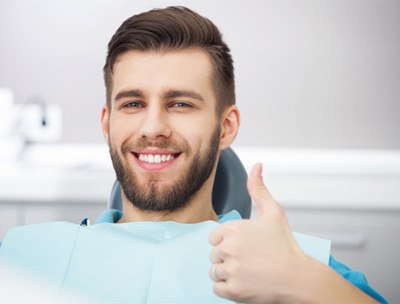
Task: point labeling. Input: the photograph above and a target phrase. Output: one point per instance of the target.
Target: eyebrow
(183, 93)
(130, 93)
(166, 95)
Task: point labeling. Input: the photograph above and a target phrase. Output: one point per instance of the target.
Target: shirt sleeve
(356, 278)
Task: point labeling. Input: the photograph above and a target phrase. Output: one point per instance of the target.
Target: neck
(198, 209)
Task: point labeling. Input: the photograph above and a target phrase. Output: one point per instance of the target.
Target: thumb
(258, 191)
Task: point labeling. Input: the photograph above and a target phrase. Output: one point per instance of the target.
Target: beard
(153, 197)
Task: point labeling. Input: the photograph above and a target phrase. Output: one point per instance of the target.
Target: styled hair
(174, 28)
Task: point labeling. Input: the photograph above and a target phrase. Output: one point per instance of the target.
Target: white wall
(309, 73)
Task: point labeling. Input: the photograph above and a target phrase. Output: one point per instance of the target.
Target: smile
(155, 158)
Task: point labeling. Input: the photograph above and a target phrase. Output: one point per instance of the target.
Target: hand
(257, 260)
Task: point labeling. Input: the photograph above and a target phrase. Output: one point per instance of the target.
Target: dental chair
(229, 191)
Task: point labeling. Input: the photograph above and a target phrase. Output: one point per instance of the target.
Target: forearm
(321, 284)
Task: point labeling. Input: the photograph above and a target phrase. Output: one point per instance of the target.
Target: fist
(255, 261)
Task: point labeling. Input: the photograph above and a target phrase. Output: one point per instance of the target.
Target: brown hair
(174, 28)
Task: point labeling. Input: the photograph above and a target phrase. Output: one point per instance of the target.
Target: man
(170, 111)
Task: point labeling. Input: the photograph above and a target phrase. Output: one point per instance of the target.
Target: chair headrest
(229, 190)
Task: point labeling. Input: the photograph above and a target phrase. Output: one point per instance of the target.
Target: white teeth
(155, 158)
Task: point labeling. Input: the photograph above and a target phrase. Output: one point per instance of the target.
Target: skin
(253, 261)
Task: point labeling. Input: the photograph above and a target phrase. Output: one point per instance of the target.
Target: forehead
(152, 71)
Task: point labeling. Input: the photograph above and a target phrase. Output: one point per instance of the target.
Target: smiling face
(162, 127)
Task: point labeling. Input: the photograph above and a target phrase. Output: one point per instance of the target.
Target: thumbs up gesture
(259, 261)
(252, 259)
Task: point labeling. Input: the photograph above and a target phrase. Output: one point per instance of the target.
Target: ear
(105, 115)
(230, 121)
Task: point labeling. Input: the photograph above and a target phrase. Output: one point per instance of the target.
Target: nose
(155, 123)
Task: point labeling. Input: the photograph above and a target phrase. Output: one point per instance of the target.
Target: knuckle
(226, 250)
(231, 227)
(255, 190)
(234, 268)
(213, 255)
(223, 271)
(278, 212)
(230, 248)
(220, 289)
(232, 291)
(211, 237)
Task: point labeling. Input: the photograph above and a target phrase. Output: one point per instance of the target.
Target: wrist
(319, 283)
(305, 282)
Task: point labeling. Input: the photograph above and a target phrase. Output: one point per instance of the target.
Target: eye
(133, 104)
(180, 104)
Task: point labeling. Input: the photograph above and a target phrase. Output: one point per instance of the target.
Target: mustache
(162, 143)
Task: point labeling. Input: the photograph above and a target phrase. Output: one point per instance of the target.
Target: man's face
(162, 127)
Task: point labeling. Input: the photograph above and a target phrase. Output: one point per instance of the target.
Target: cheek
(120, 121)
(120, 129)
(198, 134)
(199, 123)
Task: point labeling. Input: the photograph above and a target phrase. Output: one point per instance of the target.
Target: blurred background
(309, 73)
(318, 86)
